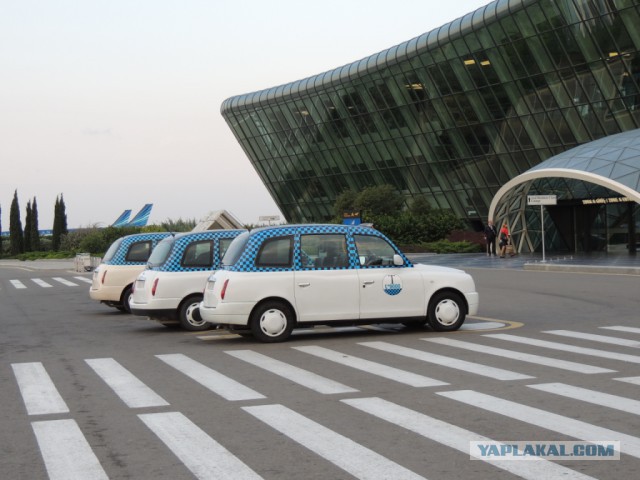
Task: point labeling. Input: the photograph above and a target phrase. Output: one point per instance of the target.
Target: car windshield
(235, 249)
(112, 250)
(161, 252)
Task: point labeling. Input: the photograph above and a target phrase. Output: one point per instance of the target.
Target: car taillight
(103, 277)
(224, 289)
(154, 287)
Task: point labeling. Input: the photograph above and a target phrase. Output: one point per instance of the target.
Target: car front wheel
(447, 312)
(272, 322)
(189, 314)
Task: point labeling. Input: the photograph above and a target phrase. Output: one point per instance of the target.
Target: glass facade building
(451, 115)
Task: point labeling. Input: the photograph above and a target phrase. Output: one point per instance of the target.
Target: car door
(386, 290)
(326, 284)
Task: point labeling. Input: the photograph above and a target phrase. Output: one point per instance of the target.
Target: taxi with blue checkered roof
(275, 279)
(170, 289)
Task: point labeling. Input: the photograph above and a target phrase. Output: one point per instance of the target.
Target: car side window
(138, 252)
(198, 254)
(275, 252)
(323, 251)
(374, 251)
(224, 245)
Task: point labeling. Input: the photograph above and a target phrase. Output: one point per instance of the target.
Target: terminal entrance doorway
(595, 225)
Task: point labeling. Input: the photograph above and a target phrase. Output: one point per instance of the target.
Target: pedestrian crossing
(32, 283)
(68, 453)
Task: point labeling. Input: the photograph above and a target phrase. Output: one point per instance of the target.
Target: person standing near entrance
(504, 239)
(490, 234)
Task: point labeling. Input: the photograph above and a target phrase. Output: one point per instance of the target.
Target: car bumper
(473, 301)
(227, 313)
(106, 294)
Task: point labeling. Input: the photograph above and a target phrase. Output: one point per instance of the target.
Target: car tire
(126, 300)
(272, 322)
(447, 312)
(189, 315)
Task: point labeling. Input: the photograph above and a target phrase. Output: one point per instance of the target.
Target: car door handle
(303, 285)
(369, 282)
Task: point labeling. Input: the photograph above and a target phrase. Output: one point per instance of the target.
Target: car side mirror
(397, 260)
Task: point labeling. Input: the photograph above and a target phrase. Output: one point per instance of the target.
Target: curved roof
(475, 20)
(612, 162)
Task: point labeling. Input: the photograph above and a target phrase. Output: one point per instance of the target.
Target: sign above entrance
(542, 199)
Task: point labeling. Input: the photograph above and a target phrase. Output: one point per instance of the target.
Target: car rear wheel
(447, 312)
(126, 300)
(272, 322)
(189, 314)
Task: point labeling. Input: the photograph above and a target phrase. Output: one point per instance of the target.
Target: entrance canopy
(605, 170)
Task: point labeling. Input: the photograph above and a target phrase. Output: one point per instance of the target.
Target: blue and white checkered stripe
(246, 262)
(172, 264)
(120, 255)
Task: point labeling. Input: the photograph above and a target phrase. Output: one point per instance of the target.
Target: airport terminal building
(518, 98)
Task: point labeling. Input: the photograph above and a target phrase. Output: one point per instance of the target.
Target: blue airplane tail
(142, 217)
(122, 220)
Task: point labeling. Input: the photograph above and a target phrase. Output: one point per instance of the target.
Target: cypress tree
(15, 227)
(59, 223)
(35, 232)
(27, 228)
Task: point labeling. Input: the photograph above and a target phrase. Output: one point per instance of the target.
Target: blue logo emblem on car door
(392, 284)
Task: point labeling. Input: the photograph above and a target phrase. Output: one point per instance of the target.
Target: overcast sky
(116, 103)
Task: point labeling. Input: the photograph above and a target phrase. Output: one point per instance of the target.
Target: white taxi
(274, 279)
(170, 289)
(125, 259)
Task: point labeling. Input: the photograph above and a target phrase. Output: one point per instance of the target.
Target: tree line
(28, 239)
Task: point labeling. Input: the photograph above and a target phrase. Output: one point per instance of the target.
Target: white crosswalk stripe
(130, 389)
(66, 452)
(624, 342)
(633, 380)
(18, 284)
(350, 456)
(40, 395)
(209, 378)
(455, 437)
(450, 362)
(298, 375)
(585, 395)
(565, 347)
(623, 329)
(374, 368)
(41, 283)
(544, 419)
(521, 356)
(200, 453)
(65, 282)
(84, 279)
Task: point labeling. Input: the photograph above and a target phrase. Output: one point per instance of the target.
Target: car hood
(437, 269)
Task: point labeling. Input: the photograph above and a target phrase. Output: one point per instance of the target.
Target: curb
(541, 267)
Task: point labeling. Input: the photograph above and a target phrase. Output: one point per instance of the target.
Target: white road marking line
(40, 282)
(200, 453)
(18, 284)
(547, 420)
(374, 368)
(66, 453)
(595, 338)
(623, 329)
(130, 389)
(523, 357)
(207, 377)
(591, 396)
(566, 347)
(84, 279)
(297, 375)
(65, 282)
(633, 380)
(475, 368)
(343, 452)
(38, 392)
(456, 438)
